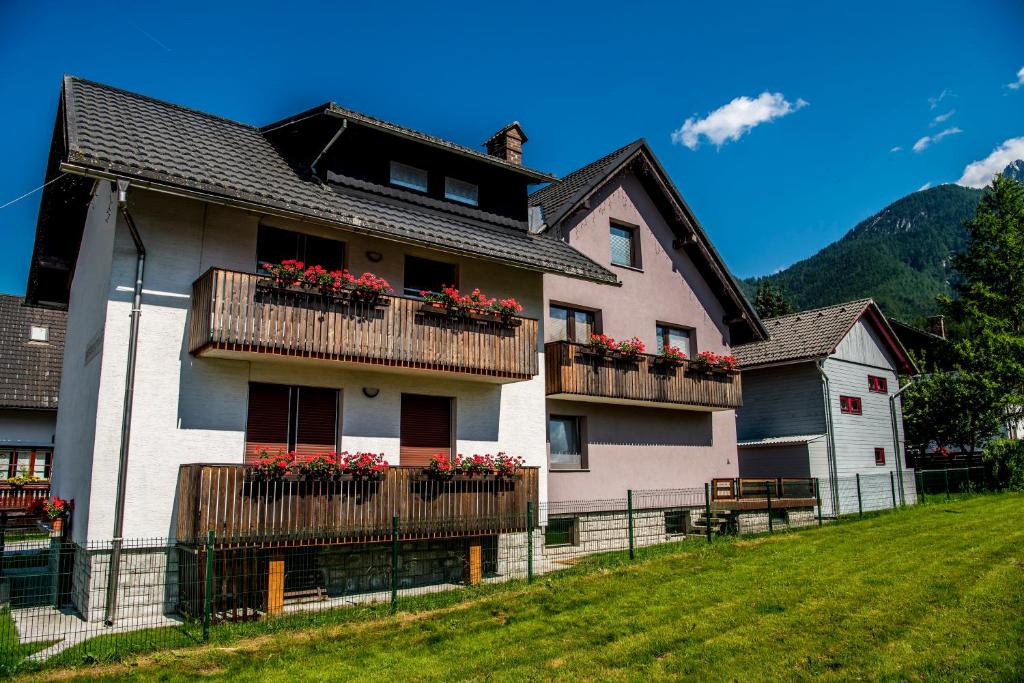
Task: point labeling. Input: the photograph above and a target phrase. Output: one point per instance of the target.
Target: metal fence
(54, 605)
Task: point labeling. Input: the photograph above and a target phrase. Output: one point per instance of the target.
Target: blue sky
(832, 88)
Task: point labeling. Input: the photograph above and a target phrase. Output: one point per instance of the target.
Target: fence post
(629, 524)
(208, 592)
(768, 498)
(860, 501)
(892, 483)
(817, 497)
(946, 473)
(394, 564)
(707, 510)
(529, 541)
(919, 476)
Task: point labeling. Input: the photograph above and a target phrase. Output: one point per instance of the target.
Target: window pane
(674, 336)
(39, 333)
(460, 191)
(42, 464)
(5, 463)
(274, 245)
(583, 322)
(622, 246)
(558, 328)
(408, 176)
(424, 274)
(565, 442)
(324, 252)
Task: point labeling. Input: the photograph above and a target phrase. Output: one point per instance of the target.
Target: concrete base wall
(147, 584)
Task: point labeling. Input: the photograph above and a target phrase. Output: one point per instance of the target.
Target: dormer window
(411, 177)
(38, 333)
(461, 191)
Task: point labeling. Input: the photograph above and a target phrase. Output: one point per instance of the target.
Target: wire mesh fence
(60, 604)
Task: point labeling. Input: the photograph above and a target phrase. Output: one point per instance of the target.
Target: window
(291, 418)
(572, 324)
(423, 274)
(850, 405)
(461, 191)
(567, 438)
(878, 385)
(39, 334)
(674, 336)
(34, 462)
(408, 176)
(274, 245)
(561, 531)
(879, 456)
(624, 249)
(675, 521)
(425, 429)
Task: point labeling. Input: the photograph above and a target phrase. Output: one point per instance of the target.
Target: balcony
(762, 494)
(237, 315)
(573, 372)
(226, 499)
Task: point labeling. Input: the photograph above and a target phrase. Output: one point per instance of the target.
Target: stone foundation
(790, 518)
(147, 583)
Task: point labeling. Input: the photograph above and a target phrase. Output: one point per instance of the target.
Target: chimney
(937, 325)
(507, 143)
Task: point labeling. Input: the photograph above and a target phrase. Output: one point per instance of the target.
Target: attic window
(408, 176)
(850, 405)
(461, 191)
(878, 385)
(37, 333)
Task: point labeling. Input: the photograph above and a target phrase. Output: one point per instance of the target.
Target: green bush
(1006, 458)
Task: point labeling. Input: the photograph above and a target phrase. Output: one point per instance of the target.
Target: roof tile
(29, 370)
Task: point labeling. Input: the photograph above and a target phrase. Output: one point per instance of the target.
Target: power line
(31, 192)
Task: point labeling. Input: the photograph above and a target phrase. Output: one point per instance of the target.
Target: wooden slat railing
(753, 492)
(14, 497)
(235, 311)
(570, 369)
(226, 500)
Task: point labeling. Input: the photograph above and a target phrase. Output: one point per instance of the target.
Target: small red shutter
(426, 428)
(267, 425)
(317, 421)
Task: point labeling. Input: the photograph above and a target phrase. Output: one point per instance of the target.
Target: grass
(931, 592)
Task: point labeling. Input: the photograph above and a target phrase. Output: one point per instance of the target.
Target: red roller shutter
(267, 424)
(317, 421)
(426, 428)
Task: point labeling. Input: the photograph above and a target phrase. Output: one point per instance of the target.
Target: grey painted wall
(781, 401)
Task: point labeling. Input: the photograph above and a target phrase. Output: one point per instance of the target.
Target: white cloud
(897, 148)
(731, 121)
(925, 186)
(979, 173)
(934, 101)
(941, 118)
(929, 140)
(1020, 80)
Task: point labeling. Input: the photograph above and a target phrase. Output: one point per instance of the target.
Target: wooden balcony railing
(14, 497)
(754, 493)
(572, 371)
(226, 500)
(239, 313)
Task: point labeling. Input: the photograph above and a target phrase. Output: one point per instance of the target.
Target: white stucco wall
(190, 409)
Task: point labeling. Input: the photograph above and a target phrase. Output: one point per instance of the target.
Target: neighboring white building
(820, 400)
(31, 350)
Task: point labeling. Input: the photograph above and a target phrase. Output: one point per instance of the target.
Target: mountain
(900, 257)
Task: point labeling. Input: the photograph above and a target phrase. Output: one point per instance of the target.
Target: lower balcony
(228, 501)
(240, 315)
(572, 371)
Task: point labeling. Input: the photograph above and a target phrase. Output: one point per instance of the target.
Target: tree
(951, 409)
(770, 300)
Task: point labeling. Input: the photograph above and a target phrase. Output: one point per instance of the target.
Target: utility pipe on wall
(896, 435)
(830, 441)
(114, 572)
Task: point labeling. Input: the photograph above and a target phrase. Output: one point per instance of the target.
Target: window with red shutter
(426, 428)
(287, 418)
(879, 456)
(878, 385)
(316, 422)
(850, 405)
(267, 423)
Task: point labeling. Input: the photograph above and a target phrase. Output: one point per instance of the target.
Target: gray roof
(29, 370)
(770, 441)
(121, 133)
(810, 335)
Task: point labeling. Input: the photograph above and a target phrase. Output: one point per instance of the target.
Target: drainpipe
(129, 396)
(830, 440)
(896, 435)
(330, 143)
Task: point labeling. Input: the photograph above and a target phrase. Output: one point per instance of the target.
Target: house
(636, 421)
(821, 399)
(31, 350)
(160, 230)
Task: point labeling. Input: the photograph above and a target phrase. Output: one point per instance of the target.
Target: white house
(821, 399)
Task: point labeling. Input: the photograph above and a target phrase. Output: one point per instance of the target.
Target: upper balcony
(237, 315)
(573, 372)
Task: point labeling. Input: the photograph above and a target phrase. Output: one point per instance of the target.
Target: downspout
(896, 435)
(330, 143)
(830, 440)
(129, 396)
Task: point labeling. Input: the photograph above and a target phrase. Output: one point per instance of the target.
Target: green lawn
(932, 592)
